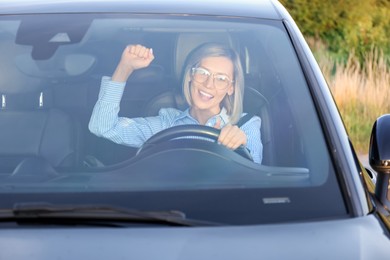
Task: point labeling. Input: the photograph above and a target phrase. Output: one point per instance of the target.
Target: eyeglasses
(201, 75)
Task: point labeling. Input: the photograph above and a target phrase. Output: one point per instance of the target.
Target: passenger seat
(31, 128)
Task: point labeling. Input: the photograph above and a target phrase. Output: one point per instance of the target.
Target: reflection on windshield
(81, 105)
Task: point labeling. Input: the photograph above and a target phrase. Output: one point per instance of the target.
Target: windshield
(73, 130)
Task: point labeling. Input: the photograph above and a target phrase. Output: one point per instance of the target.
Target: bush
(344, 25)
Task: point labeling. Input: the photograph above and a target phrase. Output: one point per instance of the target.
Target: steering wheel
(189, 131)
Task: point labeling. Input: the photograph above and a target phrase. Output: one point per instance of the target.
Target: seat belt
(244, 119)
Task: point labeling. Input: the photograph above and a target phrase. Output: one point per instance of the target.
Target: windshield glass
(114, 104)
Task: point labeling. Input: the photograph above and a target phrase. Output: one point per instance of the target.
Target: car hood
(355, 238)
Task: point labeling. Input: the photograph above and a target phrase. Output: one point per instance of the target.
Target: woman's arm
(106, 123)
(104, 120)
(133, 57)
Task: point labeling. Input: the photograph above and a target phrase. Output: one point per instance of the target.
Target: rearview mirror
(379, 157)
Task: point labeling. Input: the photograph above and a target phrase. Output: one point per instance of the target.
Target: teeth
(206, 94)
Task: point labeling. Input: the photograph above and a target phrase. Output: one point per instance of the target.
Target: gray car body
(356, 238)
(362, 236)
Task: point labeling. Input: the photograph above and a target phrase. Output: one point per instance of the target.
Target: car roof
(242, 8)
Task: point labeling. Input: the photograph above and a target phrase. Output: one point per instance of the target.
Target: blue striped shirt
(133, 132)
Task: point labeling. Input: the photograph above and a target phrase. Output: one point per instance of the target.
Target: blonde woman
(213, 87)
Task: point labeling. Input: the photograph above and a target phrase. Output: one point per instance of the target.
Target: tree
(344, 25)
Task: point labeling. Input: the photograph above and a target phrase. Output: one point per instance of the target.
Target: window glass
(52, 68)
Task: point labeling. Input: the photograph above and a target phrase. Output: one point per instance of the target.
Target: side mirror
(379, 157)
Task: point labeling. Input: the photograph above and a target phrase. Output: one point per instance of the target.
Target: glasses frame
(209, 74)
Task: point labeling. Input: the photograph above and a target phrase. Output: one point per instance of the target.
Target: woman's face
(205, 96)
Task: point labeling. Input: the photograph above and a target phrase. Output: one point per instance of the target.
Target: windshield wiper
(94, 215)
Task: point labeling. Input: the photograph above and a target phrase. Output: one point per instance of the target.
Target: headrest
(187, 42)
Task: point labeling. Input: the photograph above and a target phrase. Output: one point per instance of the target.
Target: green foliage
(344, 25)
(351, 41)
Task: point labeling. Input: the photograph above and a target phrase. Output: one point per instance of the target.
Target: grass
(361, 92)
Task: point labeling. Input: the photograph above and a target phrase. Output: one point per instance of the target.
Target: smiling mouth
(205, 95)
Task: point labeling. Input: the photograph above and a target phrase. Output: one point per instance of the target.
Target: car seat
(30, 129)
(33, 131)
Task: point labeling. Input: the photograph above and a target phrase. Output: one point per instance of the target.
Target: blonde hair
(232, 103)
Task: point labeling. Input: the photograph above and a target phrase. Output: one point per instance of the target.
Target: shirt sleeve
(106, 123)
(253, 134)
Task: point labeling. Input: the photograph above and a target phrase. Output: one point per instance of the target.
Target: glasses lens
(200, 75)
(221, 81)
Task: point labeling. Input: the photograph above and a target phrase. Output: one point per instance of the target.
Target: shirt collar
(224, 116)
(211, 122)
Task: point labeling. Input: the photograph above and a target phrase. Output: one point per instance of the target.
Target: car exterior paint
(362, 234)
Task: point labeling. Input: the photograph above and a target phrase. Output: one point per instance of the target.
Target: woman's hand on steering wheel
(231, 136)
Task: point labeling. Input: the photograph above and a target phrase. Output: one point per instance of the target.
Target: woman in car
(213, 87)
